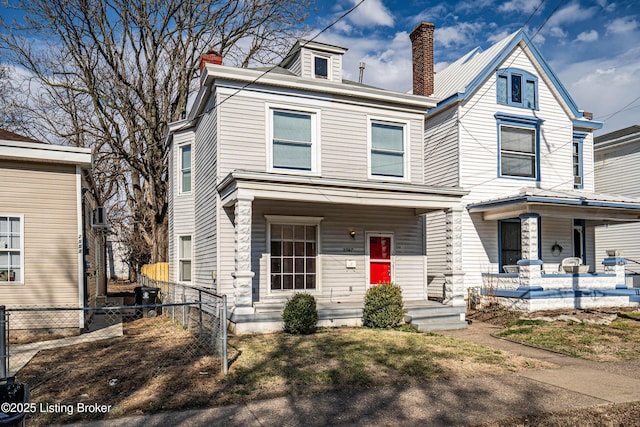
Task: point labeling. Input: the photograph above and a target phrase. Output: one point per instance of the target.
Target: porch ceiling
(601, 208)
(261, 185)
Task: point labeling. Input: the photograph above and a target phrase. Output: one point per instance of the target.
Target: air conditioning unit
(99, 217)
(577, 181)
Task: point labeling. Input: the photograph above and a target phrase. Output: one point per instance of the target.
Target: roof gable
(461, 79)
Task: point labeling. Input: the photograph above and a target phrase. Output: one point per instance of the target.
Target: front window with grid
(293, 257)
(11, 249)
(185, 169)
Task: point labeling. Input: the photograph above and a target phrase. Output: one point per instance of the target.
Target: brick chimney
(587, 115)
(211, 57)
(422, 55)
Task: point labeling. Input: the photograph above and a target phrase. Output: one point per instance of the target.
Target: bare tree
(113, 73)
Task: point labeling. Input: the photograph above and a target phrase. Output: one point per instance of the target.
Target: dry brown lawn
(158, 366)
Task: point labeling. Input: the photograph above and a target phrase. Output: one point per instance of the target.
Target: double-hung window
(11, 249)
(519, 148)
(293, 140)
(517, 88)
(388, 145)
(576, 147)
(184, 258)
(185, 168)
(293, 246)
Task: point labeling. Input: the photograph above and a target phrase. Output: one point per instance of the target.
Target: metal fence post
(4, 343)
(200, 312)
(223, 325)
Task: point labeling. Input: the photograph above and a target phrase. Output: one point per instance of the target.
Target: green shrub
(300, 314)
(383, 306)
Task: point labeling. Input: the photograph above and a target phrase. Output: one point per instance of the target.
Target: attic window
(321, 67)
(517, 88)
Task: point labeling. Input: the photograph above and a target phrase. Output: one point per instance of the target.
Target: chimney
(422, 55)
(211, 57)
(587, 115)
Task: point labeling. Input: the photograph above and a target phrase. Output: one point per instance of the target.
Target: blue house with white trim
(506, 130)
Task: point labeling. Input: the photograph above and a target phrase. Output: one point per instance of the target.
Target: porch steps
(436, 318)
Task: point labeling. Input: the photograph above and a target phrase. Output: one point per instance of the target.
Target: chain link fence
(193, 317)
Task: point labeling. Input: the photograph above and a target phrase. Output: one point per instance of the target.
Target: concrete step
(447, 326)
(436, 318)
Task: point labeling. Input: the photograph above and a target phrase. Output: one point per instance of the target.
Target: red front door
(379, 259)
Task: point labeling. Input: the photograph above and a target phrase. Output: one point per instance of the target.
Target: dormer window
(517, 88)
(321, 67)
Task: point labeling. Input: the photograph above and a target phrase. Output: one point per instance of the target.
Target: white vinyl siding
(441, 153)
(342, 135)
(335, 247)
(206, 200)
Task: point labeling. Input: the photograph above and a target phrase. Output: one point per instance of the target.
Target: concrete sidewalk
(575, 384)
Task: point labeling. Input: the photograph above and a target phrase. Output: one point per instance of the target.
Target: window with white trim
(294, 256)
(388, 149)
(11, 249)
(185, 168)
(320, 67)
(293, 140)
(519, 147)
(576, 147)
(517, 88)
(184, 258)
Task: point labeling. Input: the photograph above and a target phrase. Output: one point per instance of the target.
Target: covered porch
(546, 247)
(333, 239)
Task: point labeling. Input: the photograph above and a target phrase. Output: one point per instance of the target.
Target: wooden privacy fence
(158, 271)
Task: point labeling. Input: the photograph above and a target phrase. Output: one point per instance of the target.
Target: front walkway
(574, 384)
(21, 354)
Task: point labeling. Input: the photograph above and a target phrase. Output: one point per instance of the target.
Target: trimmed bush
(300, 314)
(383, 306)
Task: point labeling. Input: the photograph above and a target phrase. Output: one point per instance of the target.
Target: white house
(506, 130)
(616, 172)
(292, 179)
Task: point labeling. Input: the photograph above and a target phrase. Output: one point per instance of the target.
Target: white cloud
(371, 13)
(497, 37)
(388, 61)
(473, 5)
(604, 86)
(587, 36)
(568, 15)
(522, 6)
(459, 34)
(622, 25)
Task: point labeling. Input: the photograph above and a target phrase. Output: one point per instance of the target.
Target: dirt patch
(626, 414)
(600, 316)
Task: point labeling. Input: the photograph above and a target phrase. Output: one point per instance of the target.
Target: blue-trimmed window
(517, 88)
(518, 146)
(578, 168)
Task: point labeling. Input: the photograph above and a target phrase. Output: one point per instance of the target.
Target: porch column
(243, 276)
(453, 274)
(530, 267)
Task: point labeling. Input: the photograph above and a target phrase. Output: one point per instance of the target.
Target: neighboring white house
(297, 180)
(506, 130)
(616, 172)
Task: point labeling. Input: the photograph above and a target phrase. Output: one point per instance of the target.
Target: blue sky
(593, 46)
